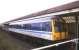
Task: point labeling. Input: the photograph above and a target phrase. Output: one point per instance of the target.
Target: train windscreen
(60, 26)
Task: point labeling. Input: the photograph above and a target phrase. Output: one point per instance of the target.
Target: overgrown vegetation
(9, 43)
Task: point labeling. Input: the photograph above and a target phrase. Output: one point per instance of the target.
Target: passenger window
(47, 26)
(42, 26)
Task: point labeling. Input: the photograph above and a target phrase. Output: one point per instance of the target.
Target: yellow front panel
(56, 36)
(60, 36)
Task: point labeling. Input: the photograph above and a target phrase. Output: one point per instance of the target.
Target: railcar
(50, 28)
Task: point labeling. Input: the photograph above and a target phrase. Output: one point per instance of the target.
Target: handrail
(57, 44)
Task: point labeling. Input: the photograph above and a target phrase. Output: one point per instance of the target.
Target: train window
(27, 26)
(36, 26)
(47, 26)
(42, 26)
(60, 26)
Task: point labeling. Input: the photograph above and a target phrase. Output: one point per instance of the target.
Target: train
(45, 27)
(54, 26)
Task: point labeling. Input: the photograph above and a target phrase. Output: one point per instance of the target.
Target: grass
(9, 43)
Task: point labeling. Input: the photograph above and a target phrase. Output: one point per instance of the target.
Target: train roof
(51, 10)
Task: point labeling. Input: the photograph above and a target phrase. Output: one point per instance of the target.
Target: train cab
(59, 29)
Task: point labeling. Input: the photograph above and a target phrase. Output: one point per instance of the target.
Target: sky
(12, 9)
